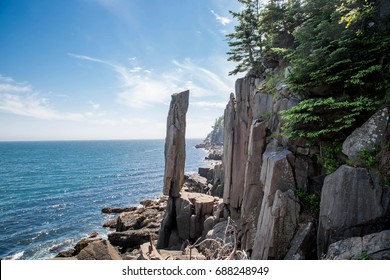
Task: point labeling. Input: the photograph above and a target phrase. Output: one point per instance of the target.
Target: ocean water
(52, 193)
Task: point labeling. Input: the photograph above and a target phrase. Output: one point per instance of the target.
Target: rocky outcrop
(215, 154)
(374, 246)
(175, 144)
(353, 201)
(303, 246)
(369, 136)
(99, 250)
(197, 183)
(276, 227)
(184, 218)
(132, 239)
(253, 189)
(277, 208)
(253, 174)
(239, 135)
(118, 210)
(186, 211)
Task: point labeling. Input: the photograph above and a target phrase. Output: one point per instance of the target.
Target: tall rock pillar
(175, 156)
(175, 149)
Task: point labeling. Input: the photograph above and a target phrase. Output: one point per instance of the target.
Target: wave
(16, 256)
(57, 247)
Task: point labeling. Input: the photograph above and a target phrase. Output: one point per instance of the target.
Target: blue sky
(105, 69)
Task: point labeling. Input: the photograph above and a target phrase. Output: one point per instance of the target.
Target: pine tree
(245, 43)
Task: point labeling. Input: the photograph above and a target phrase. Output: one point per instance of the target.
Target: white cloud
(222, 20)
(33, 106)
(95, 106)
(6, 79)
(205, 104)
(140, 88)
(14, 88)
(23, 100)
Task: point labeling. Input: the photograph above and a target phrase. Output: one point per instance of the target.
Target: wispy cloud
(23, 100)
(222, 20)
(141, 88)
(205, 104)
(94, 106)
(33, 106)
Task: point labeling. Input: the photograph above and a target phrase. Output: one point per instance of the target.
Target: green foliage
(356, 11)
(339, 52)
(330, 157)
(278, 20)
(245, 43)
(367, 158)
(325, 118)
(216, 134)
(364, 256)
(272, 80)
(342, 49)
(310, 202)
(266, 116)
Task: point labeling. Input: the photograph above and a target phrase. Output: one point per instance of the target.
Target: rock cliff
(272, 184)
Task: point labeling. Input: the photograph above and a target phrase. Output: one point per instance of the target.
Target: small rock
(118, 210)
(131, 238)
(83, 243)
(110, 224)
(93, 235)
(66, 254)
(128, 220)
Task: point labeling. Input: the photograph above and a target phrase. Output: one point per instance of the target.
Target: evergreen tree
(340, 50)
(245, 43)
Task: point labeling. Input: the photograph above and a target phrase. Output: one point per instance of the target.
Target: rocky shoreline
(136, 228)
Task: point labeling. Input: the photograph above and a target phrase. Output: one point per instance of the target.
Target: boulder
(196, 183)
(110, 223)
(66, 254)
(353, 202)
(369, 136)
(215, 154)
(129, 220)
(208, 224)
(118, 210)
(303, 245)
(99, 250)
(175, 152)
(184, 218)
(206, 172)
(82, 244)
(374, 246)
(216, 190)
(131, 239)
(149, 203)
(149, 252)
(221, 232)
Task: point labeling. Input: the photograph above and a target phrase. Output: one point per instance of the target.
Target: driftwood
(218, 249)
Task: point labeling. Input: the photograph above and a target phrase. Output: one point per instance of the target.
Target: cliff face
(267, 178)
(278, 200)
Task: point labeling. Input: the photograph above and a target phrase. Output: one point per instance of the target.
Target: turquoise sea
(52, 193)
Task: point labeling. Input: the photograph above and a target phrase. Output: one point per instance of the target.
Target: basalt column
(174, 163)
